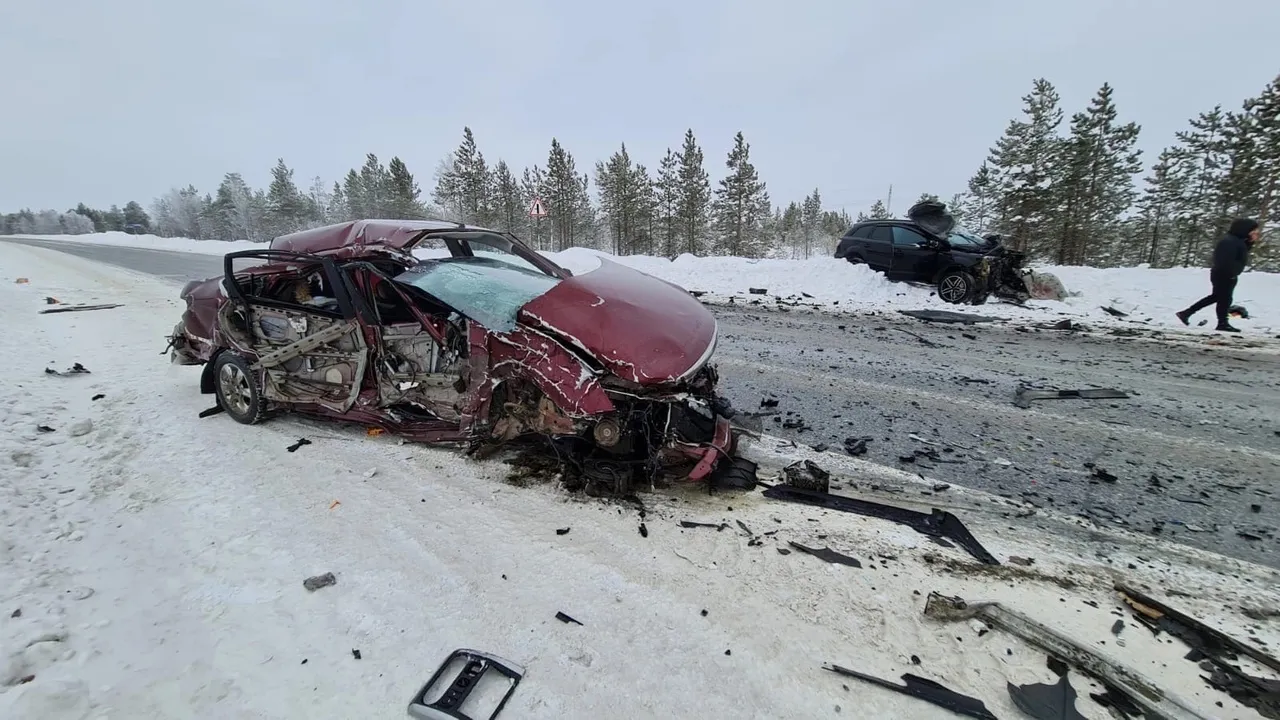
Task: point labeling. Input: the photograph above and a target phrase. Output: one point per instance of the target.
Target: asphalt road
(1193, 455)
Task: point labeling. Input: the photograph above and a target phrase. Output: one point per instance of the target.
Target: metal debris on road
(79, 308)
(827, 555)
(947, 316)
(1155, 702)
(939, 523)
(923, 689)
(807, 475)
(1024, 396)
(566, 619)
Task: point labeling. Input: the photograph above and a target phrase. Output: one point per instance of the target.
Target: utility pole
(888, 204)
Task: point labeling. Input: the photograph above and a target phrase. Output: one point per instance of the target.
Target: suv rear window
(882, 233)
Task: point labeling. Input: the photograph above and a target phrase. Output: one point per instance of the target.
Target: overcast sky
(108, 101)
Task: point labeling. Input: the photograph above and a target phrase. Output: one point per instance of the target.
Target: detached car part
(449, 689)
(939, 523)
(924, 689)
(1025, 396)
(1155, 702)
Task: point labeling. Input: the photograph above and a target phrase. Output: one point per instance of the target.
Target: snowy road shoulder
(151, 564)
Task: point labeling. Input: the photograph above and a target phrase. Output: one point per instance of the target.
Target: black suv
(928, 248)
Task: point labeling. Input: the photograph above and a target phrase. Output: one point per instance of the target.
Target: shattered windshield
(486, 290)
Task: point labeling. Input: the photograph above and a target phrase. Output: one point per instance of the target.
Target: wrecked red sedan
(448, 333)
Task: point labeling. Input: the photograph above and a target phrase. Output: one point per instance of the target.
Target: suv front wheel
(957, 287)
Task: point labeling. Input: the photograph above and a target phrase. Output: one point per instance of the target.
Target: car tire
(956, 287)
(238, 388)
(855, 259)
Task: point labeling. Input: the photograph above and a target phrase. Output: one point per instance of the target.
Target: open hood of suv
(932, 217)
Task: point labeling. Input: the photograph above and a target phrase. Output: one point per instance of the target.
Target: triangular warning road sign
(538, 209)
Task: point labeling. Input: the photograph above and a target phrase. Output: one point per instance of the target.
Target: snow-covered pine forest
(1071, 190)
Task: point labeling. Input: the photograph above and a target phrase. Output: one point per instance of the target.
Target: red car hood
(640, 328)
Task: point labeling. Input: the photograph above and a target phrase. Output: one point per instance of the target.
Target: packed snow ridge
(1149, 297)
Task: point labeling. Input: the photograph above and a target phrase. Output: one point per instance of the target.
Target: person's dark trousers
(1223, 289)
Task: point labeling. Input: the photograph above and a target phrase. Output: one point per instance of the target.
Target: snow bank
(1148, 297)
(151, 563)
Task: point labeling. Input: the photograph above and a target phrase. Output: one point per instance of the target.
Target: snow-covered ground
(152, 563)
(1150, 297)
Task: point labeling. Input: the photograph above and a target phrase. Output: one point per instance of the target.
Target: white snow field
(1150, 297)
(152, 563)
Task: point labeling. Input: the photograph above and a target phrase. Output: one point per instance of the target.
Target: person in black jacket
(1229, 260)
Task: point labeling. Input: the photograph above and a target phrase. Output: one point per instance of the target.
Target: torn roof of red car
(358, 234)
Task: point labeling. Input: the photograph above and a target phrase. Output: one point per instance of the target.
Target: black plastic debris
(768, 402)
(76, 369)
(947, 316)
(97, 397)
(301, 441)
(692, 524)
(210, 412)
(1047, 702)
(1116, 701)
(1025, 396)
(1104, 476)
(939, 523)
(827, 555)
(1117, 627)
(44, 429)
(1114, 312)
(457, 678)
(566, 619)
(79, 308)
(808, 475)
(644, 530)
(355, 654)
(318, 581)
(1218, 650)
(562, 531)
(924, 689)
(758, 291)
(856, 446)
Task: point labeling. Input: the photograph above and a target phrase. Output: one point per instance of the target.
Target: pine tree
(928, 197)
(533, 183)
(811, 222)
(463, 183)
(134, 215)
(741, 205)
(981, 199)
(878, 212)
(337, 210)
(1159, 208)
(375, 187)
(789, 225)
(1095, 167)
(693, 199)
(403, 192)
(567, 201)
(667, 205)
(510, 212)
(358, 207)
(625, 192)
(1025, 162)
(1204, 151)
(284, 203)
(235, 212)
(114, 219)
(318, 199)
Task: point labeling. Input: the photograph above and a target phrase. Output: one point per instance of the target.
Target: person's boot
(1184, 316)
(1224, 327)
